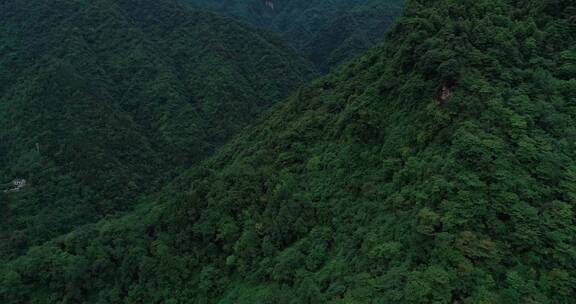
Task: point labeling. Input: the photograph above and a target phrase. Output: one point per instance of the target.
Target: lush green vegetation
(101, 101)
(440, 167)
(327, 32)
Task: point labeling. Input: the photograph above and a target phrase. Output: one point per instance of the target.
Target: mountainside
(326, 32)
(102, 100)
(440, 167)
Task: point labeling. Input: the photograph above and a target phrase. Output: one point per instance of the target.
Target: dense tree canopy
(327, 32)
(102, 100)
(439, 167)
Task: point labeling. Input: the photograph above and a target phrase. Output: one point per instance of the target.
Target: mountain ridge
(109, 102)
(327, 32)
(365, 186)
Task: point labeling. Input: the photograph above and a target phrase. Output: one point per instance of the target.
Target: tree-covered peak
(102, 101)
(327, 32)
(439, 167)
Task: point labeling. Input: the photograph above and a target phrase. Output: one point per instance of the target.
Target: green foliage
(366, 186)
(326, 32)
(102, 101)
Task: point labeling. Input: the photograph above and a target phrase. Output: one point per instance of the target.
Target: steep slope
(326, 32)
(101, 100)
(440, 167)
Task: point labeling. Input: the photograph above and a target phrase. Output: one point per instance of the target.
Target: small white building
(19, 182)
(17, 185)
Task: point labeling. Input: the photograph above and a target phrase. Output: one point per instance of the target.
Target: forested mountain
(102, 100)
(328, 32)
(439, 167)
